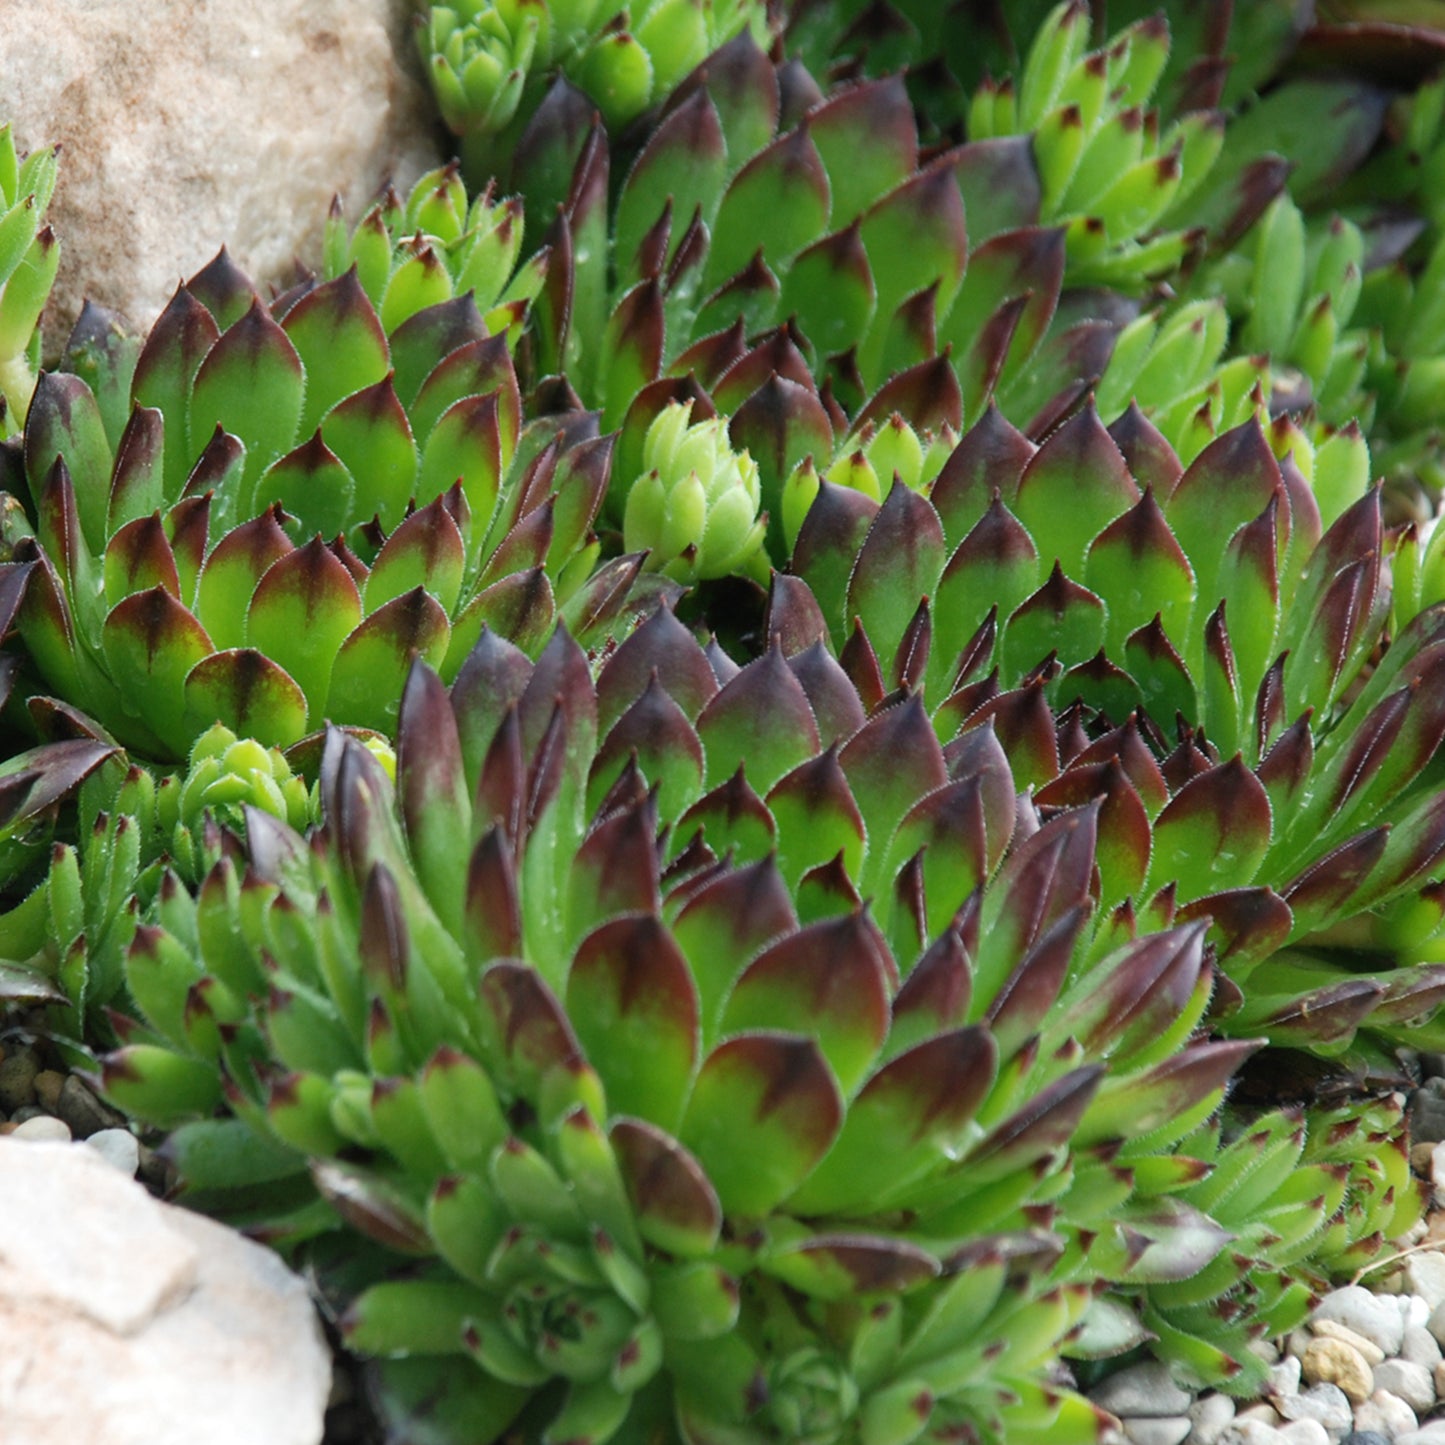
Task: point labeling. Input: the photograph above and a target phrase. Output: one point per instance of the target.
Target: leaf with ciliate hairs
(615, 868)
(1151, 460)
(662, 647)
(339, 338)
(732, 816)
(1318, 1017)
(1327, 889)
(369, 433)
(1165, 686)
(632, 1000)
(816, 816)
(674, 1202)
(165, 371)
(1138, 567)
(1061, 620)
(837, 1267)
(1029, 994)
(1071, 489)
(776, 1091)
(828, 542)
(252, 383)
(830, 981)
(1247, 926)
(64, 421)
(433, 332)
(1213, 834)
(527, 1032)
(655, 733)
(1037, 1130)
(782, 422)
(948, 825)
(868, 141)
(898, 563)
(829, 288)
(759, 720)
(1024, 725)
(372, 663)
(250, 693)
(989, 458)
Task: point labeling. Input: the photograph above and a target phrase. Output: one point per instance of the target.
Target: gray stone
(125, 1321)
(1385, 1412)
(85, 1114)
(1430, 1433)
(1146, 1390)
(1412, 1383)
(1210, 1416)
(1420, 1347)
(186, 125)
(1250, 1432)
(17, 1078)
(1160, 1430)
(1365, 1313)
(1364, 1437)
(1303, 1432)
(1326, 1403)
(1427, 1111)
(1283, 1378)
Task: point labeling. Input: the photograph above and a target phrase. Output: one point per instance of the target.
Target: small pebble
(28, 1111)
(48, 1084)
(17, 1078)
(1414, 1310)
(1283, 1378)
(1250, 1432)
(1210, 1416)
(1385, 1412)
(1326, 1403)
(1303, 1432)
(1364, 1437)
(118, 1147)
(1260, 1414)
(83, 1111)
(1366, 1313)
(42, 1126)
(1141, 1391)
(1161, 1430)
(1412, 1383)
(1427, 1111)
(1425, 1276)
(1370, 1352)
(1420, 1347)
(1332, 1362)
(1267, 1350)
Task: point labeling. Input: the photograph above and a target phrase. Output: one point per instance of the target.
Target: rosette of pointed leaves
(490, 63)
(142, 842)
(1310, 1197)
(29, 257)
(685, 1138)
(694, 510)
(291, 508)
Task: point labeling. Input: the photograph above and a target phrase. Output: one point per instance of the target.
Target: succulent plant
(490, 64)
(29, 256)
(677, 1131)
(293, 507)
(141, 843)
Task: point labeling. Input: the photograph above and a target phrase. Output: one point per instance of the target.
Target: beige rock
(124, 1321)
(1334, 1362)
(1332, 1329)
(188, 123)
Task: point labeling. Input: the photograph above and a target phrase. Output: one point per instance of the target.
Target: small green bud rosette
(695, 509)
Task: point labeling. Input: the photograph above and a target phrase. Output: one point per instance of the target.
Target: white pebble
(1147, 1390)
(1432, 1433)
(1283, 1378)
(1261, 1414)
(43, 1127)
(1425, 1276)
(1386, 1414)
(1161, 1430)
(1414, 1309)
(1420, 1347)
(1303, 1432)
(118, 1147)
(1210, 1415)
(1326, 1403)
(1267, 1350)
(1298, 1341)
(1412, 1383)
(1367, 1314)
(1250, 1432)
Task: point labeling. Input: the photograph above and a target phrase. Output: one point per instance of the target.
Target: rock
(1161, 1430)
(1326, 1403)
(1283, 1378)
(41, 1127)
(1425, 1276)
(1431, 1434)
(1303, 1432)
(1367, 1314)
(1414, 1310)
(1364, 1437)
(1210, 1416)
(1385, 1412)
(1420, 1347)
(1250, 1432)
(17, 1076)
(1427, 1111)
(1141, 1391)
(1412, 1383)
(48, 1084)
(1334, 1330)
(118, 1147)
(185, 1332)
(83, 1111)
(1333, 1362)
(1262, 1414)
(184, 126)
(1267, 1350)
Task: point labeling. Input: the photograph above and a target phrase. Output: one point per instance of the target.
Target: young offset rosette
(265, 514)
(694, 510)
(589, 1017)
